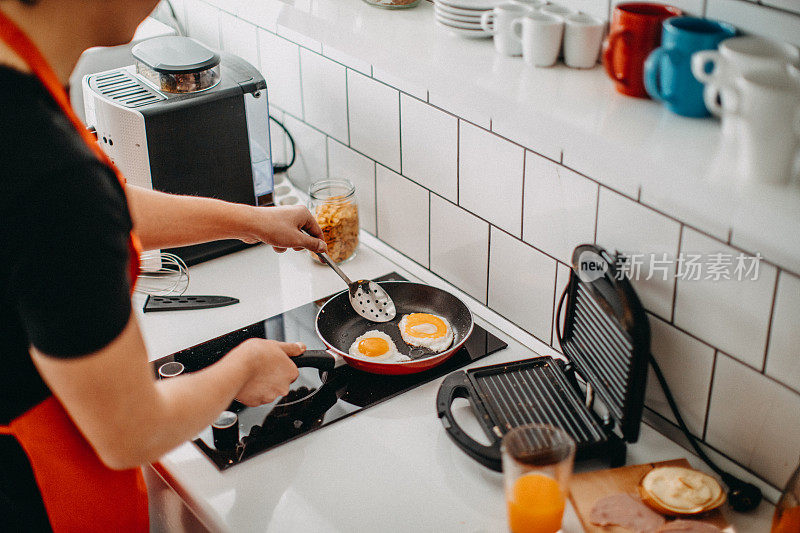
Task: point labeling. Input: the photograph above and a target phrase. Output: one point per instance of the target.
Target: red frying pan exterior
(338, 325)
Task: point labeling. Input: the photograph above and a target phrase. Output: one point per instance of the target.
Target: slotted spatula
(368, 298)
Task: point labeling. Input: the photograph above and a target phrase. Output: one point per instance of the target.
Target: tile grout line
(554, 313)
(375, 192)
(458, 161)
(400, 128)
(522, 210)
(771, 317)
(347, 101)
(710, 393)
(675, 286)
(300, 74)
(488, 261)
(596, 214)
(429, 231)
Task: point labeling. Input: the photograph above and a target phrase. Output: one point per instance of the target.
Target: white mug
(498, 23)
(767, 110)
(540, 36)
(583, 35)
(735, 57)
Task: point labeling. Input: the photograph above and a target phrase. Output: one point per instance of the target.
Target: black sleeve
(70, 271)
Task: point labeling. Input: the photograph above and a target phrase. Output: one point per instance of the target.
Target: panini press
(606, 342)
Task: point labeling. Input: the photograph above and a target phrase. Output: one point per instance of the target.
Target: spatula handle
(328, 261)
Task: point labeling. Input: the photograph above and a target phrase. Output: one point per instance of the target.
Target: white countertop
(389, 468)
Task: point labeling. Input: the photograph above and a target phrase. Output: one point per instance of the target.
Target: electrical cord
(278, 168)
(174, 18)
(742, 496)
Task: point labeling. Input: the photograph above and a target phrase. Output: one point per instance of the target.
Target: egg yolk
(373, 346)
(423, 325)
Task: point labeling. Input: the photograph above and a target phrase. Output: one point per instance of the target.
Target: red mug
(635, 32)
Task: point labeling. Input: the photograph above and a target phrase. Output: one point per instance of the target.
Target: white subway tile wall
(346, 163)
(430, 146)
(560, 208)
(202, 23)
(280, 65)
(239, 38)
(490, 177)
(459, 247)
(783, 356)
(324, 94)
(311, 163)
(458, 191)
(761, 20)
(521, 284)
(676, 352)
(729, 314)
(754, 420)
(374, 111)
(649, 239)
(403, 214)
(347, 60)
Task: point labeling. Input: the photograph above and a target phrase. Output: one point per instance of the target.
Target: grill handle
(457, 385)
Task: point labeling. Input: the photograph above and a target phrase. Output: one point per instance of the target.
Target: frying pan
(338, 326)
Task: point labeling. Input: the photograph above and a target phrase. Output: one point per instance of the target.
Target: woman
(78, 393)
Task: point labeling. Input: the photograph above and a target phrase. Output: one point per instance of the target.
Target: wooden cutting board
(588, 487)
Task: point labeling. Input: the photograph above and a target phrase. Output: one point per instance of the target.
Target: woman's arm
(130, 418)
(164, 220)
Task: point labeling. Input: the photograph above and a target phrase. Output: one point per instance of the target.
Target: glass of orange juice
(537, 465)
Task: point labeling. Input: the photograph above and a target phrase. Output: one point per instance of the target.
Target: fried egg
(429, 331)
(376, 346)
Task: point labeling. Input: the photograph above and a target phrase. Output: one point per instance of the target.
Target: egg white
(439, 344)
(393, 355)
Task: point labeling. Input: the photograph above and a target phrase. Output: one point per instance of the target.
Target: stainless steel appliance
(188, 120)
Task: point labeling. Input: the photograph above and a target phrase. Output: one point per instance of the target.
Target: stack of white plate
(463, 17)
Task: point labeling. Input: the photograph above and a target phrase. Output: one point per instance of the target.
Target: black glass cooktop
(317, 398)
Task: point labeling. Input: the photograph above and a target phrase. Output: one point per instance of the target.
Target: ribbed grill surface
(537, 394)
(602, 351)
(124, 88)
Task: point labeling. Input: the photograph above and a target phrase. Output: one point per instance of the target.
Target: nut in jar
(335, 207)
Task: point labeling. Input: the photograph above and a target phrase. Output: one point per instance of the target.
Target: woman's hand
(272, 370)
(285, 227)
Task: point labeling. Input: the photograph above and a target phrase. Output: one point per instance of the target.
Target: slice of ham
(688, 526)
(625, 511)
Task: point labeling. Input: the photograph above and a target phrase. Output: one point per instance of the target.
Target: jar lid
(173, 54)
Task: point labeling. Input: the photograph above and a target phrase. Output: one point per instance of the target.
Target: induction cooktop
(317, 398)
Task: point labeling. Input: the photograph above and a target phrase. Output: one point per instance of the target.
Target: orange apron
(79, 492)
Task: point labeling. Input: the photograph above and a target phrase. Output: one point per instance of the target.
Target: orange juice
(536, 505)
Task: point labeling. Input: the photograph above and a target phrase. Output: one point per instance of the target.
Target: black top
(64, 284)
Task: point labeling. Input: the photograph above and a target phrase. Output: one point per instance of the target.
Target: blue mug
(668, 70)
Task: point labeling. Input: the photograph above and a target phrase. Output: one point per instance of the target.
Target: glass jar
(334, 205)
(393, 4)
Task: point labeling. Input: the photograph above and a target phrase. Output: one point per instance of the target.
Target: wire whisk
(167, 275)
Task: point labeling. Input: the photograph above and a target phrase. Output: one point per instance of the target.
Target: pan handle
(315, 359)
(457, 385)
